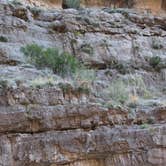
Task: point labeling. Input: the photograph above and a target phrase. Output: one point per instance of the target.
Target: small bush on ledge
(16, 2)
(71, 4)
(61, 63)
(3, 39)
(35, 11)
(154, 61)
(41, 82)
(156, 44)
(3, 84)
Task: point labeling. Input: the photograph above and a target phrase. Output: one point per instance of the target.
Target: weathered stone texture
(44, 126)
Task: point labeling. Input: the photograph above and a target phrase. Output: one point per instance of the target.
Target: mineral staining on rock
(110, 113)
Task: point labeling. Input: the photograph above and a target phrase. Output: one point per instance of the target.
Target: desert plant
(3, 39)
(41, 82)
(144, 126)
(71, 4)
(84, 77)
(136, 86)
(156, 44)
(3, 84)
(66, 87)
(16, 2)
(69, 88)
(35, 11)
(128, 90)
(118, 92)
(82, 89)
(121, 68)
(81, 82)
(87, 48)
(61, 63)
(154, 61)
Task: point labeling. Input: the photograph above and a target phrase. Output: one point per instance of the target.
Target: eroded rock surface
(47, 126)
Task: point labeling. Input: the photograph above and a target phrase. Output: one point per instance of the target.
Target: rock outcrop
(149, 5)
(47, 126)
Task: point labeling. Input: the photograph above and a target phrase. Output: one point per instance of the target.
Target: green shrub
(83, 79)
(41, 82)
(118, 92)
(154, 61)
(16, 2)
(87, 48)
(121, 68)
(35, 11)
(71, 4)
(83, 89)
(84, 75)
(3, 39)
(156, 44)
(81, 82)
(61, 63)
(66, 88)
(3, 84)
(128, 90)
(151, 120)
(144, 126)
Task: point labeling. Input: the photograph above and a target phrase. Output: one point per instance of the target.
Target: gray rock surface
(46, 126)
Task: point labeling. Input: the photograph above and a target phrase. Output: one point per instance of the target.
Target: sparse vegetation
(118, 92)
(66, 87)
(154, 61)
(85, 75)
(35, 11)
(41, 82)
(3, 84)
(151, 120)
(77, 33)
(127, 91)
(83, 79)
(16, 2)
(83, 89)
(144, 126)
(121, 68)
(61, 63)
(3, 39)
(81, 82)
(87, 48)
(71, 4)
(156, 44)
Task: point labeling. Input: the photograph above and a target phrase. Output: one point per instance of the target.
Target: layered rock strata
(46, 126)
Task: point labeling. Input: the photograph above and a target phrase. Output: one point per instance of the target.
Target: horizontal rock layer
(44, 126)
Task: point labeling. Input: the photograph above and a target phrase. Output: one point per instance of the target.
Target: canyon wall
(164, 5)
(55, 124)
(151, 5)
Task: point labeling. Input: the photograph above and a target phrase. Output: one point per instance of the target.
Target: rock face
(150, 5)
(164, 5)
(47, 126)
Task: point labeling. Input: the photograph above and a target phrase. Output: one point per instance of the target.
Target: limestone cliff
(155, 6)
(51, 126)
